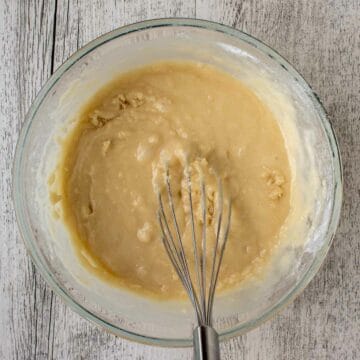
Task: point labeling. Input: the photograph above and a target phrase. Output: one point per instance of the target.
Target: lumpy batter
(175, 112)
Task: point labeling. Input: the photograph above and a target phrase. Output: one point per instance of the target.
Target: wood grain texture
(26, 302)
(320, 38)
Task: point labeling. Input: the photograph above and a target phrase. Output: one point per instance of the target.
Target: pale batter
(112, 162)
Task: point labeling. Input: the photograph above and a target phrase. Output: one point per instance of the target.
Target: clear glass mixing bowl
(51, 116)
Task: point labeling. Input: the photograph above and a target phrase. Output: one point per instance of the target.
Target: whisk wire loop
(177, 257)
(203, 299)
(193, 236)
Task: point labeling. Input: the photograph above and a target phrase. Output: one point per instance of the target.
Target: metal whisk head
(201, 291)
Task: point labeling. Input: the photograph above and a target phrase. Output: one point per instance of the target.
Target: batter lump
(176, 113)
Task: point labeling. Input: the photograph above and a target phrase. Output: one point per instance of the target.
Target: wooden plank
(26, 45)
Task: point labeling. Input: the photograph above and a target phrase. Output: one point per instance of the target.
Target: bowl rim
(18, 193)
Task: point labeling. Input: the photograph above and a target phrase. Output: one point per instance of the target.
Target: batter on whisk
(114, 155)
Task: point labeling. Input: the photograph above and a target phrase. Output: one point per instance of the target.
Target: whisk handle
(206, 343)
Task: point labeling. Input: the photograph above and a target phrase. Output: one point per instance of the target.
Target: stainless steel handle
(206, 343)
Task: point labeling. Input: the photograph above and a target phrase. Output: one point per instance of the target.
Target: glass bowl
(318, 178)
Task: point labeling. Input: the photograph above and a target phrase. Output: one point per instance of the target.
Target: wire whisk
(201, 291)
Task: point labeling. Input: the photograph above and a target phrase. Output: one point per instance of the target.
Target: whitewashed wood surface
(321, 38)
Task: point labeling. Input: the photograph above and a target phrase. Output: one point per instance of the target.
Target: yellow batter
(172, 111)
